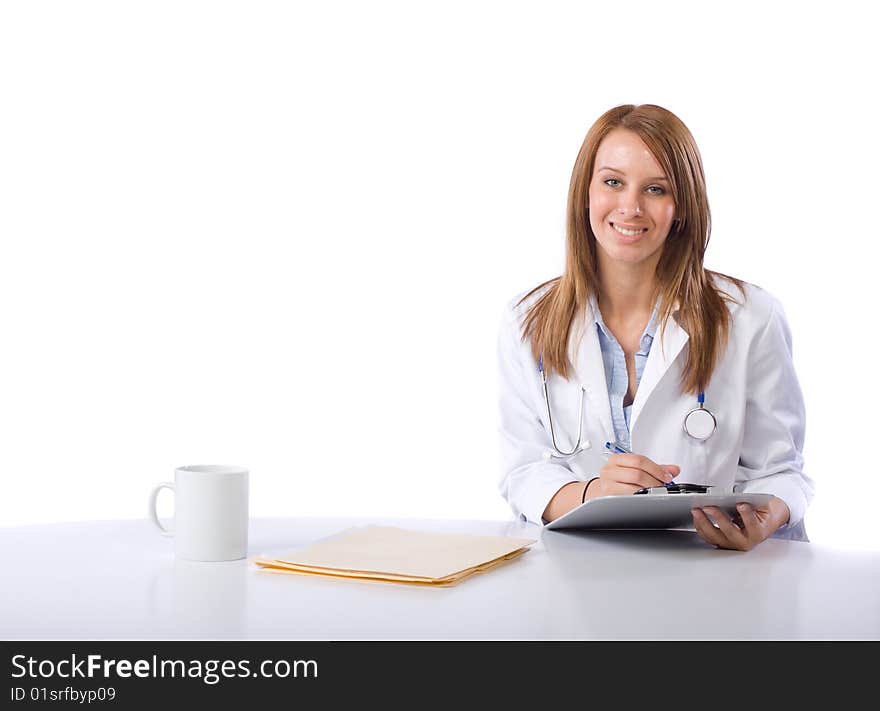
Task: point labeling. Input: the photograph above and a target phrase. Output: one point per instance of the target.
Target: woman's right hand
(627, 473)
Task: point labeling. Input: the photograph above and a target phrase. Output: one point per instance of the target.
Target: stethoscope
(699, 423)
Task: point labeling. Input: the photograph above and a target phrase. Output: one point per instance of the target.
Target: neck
(626, 290)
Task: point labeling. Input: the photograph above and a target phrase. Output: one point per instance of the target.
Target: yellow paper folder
(398, 555)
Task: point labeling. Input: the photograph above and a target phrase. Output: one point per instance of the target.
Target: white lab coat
(754, 395)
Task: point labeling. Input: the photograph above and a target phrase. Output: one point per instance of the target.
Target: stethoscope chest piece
(699, 423)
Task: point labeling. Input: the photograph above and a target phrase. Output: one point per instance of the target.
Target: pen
(617, 447)
(620, 449)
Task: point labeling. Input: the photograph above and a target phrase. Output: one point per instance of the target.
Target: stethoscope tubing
(580, 445)
(577, 446)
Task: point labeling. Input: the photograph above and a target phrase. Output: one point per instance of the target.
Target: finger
(737, 521)
(637, 461)
(753, 528)
(734, 535)
(707, 531)
(672, 469)
(638, 477)
(610, 487)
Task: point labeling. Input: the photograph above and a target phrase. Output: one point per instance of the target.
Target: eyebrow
(617, 170)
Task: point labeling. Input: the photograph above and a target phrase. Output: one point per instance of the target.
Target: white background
(282, 234)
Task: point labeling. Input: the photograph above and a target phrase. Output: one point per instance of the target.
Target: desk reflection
(190, 597)
(657, 578)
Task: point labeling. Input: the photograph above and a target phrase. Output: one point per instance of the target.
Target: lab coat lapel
(591, 373)
(664, 351)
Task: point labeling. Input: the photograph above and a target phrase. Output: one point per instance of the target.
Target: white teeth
(628, 233)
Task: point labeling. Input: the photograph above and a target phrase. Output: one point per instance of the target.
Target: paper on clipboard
(630, 511)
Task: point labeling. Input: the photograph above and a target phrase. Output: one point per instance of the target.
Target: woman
(636, 334)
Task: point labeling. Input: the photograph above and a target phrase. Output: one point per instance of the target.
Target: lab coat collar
(586, 354)
(664, 351)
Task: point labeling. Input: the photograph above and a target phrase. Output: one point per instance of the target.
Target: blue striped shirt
(615, 370)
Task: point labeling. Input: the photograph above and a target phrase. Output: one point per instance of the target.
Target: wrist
(586, 488)
(779, 511)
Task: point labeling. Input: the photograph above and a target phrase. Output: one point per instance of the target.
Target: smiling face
(631, 203)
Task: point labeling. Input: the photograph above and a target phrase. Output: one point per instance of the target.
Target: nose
(630, 204)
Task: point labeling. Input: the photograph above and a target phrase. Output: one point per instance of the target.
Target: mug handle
(154, 494)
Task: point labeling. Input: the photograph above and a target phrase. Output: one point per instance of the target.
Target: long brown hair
(683, 282)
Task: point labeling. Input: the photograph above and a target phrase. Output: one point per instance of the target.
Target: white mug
(210, 512)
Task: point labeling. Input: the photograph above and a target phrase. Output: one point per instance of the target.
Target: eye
(658, 189)
(612, 180)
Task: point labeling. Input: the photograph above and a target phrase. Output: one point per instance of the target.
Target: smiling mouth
(629, 233)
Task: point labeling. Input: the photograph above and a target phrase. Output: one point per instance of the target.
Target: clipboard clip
(677, 489)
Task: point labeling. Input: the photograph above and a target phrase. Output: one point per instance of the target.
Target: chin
(628, 253)
(618, 250)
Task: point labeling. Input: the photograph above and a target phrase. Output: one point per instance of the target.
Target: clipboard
(666, 511)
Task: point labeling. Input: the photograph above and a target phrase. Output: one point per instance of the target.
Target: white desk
(119, 580)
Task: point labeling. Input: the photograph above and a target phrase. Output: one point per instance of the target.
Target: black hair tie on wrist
(584, 497)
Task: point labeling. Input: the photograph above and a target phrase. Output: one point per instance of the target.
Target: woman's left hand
(752, 525)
